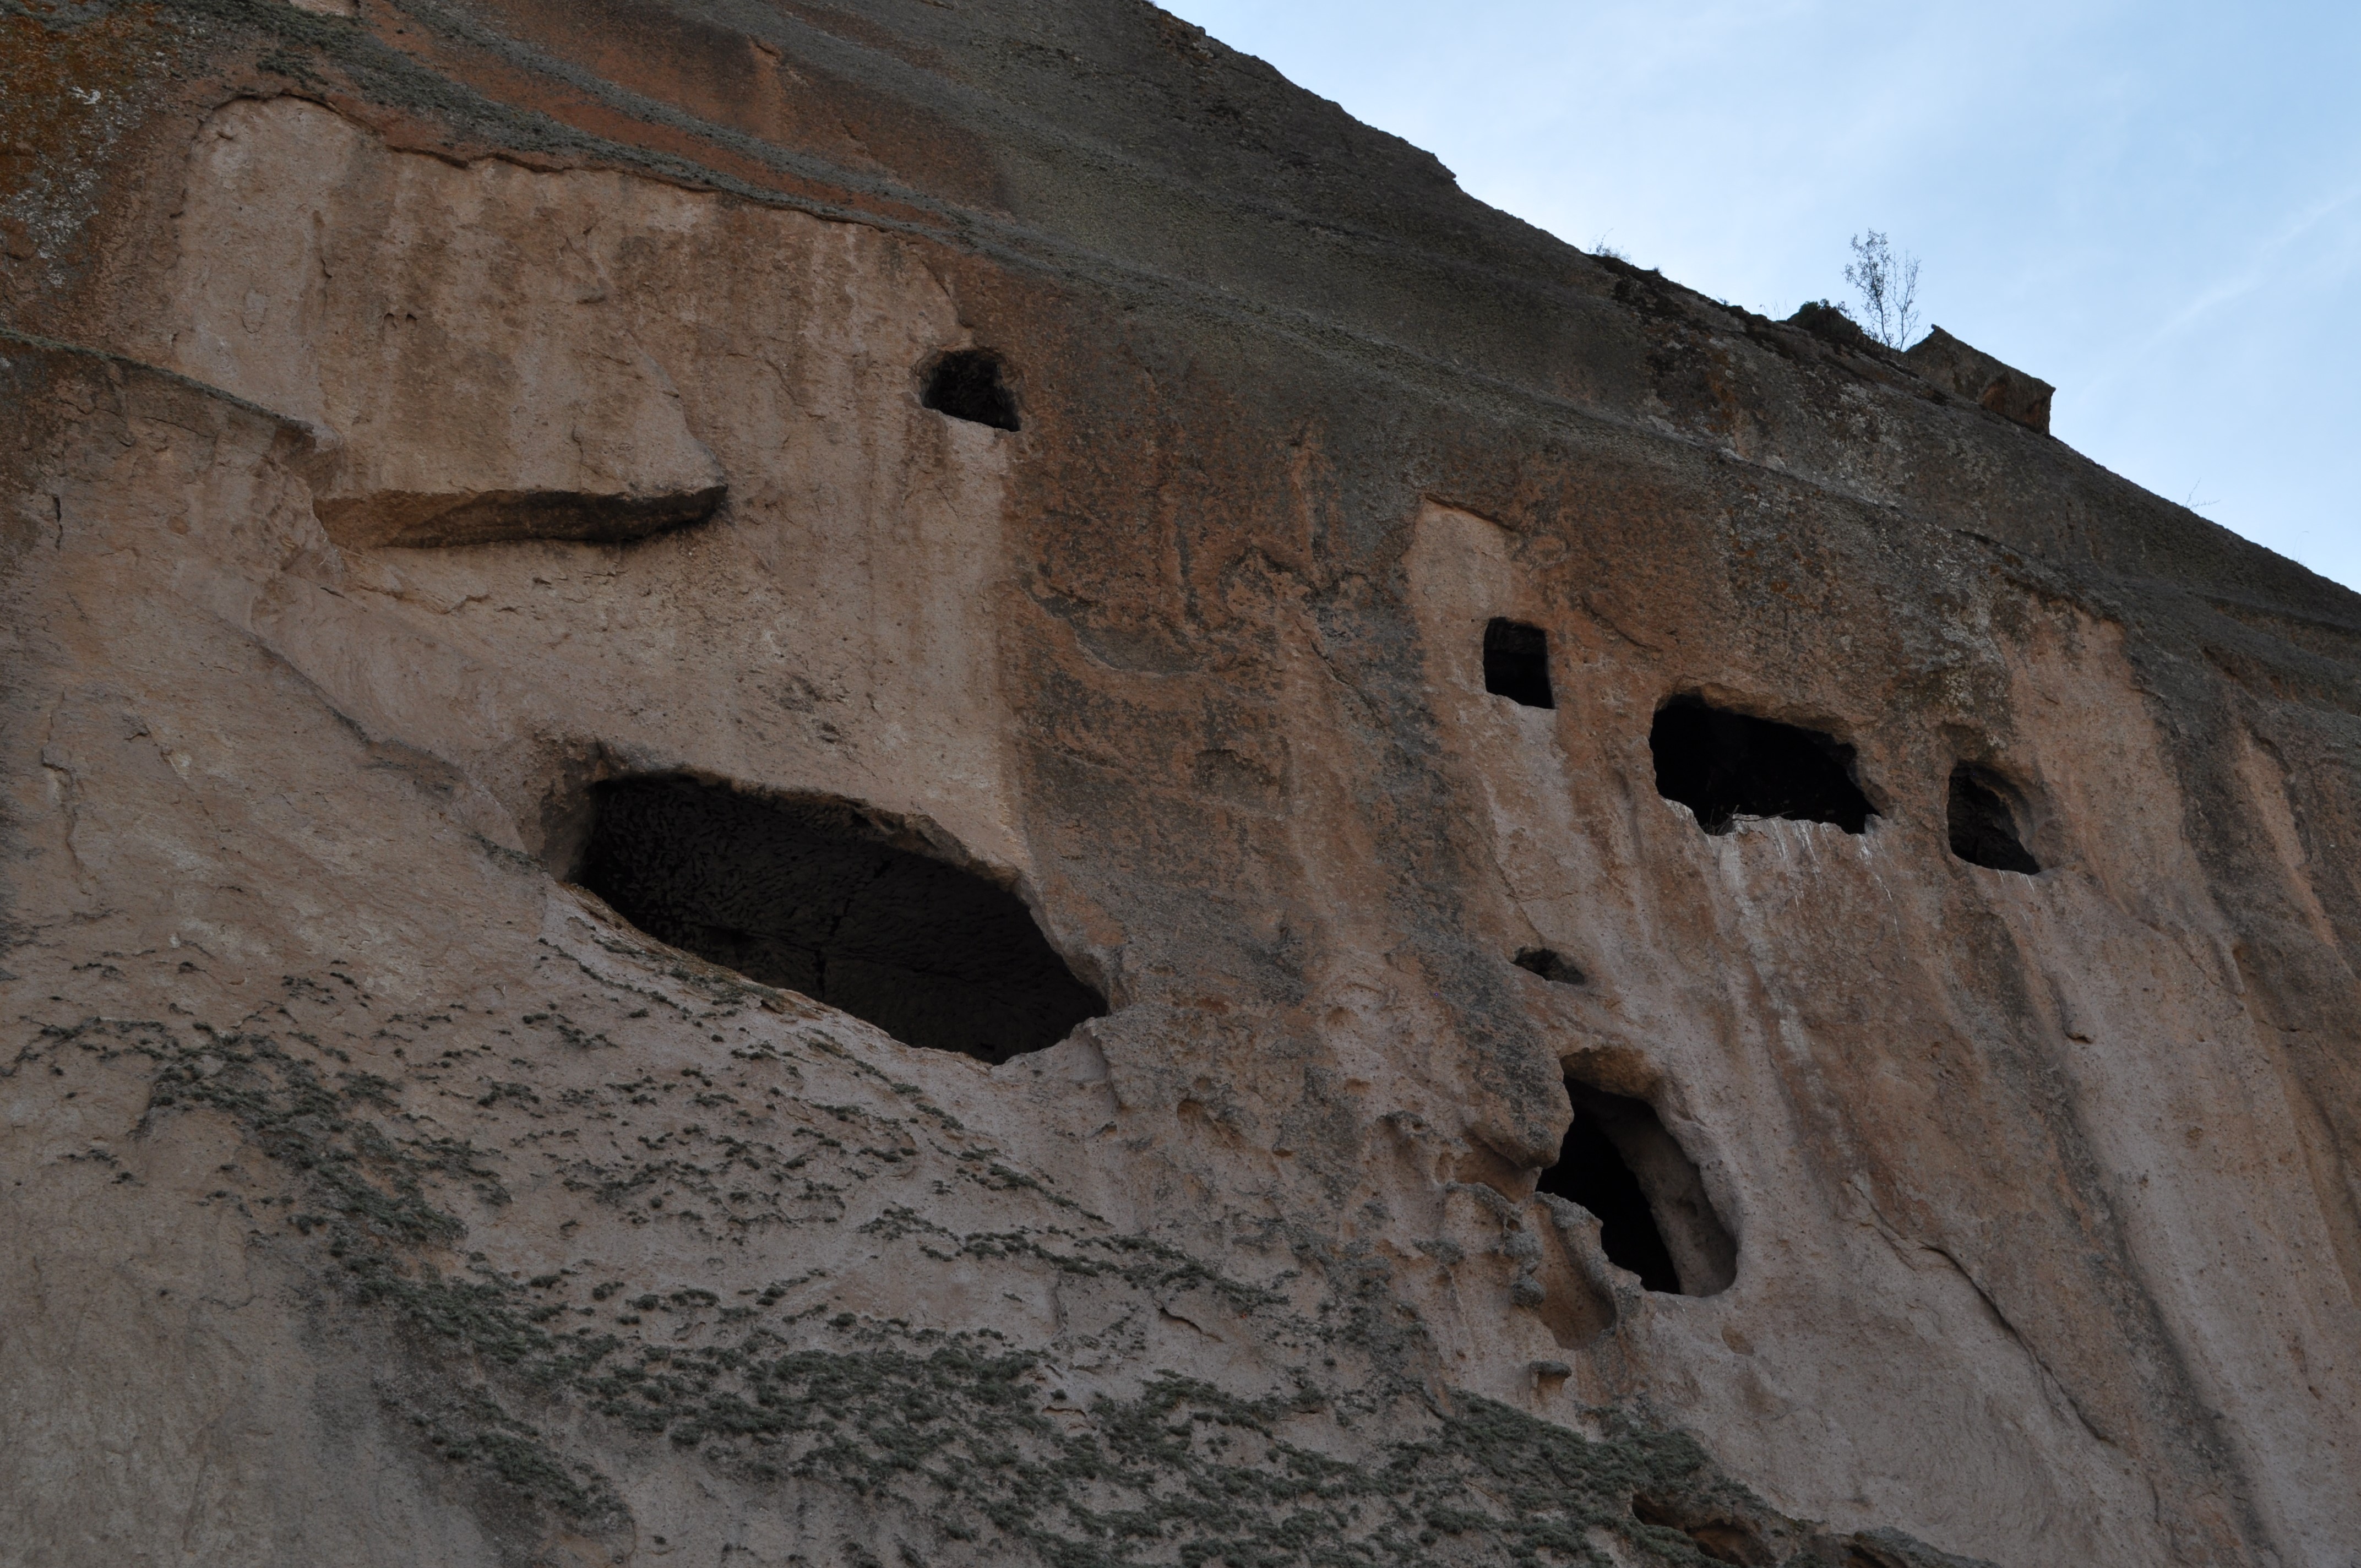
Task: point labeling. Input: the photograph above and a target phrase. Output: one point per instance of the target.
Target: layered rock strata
(924, 783)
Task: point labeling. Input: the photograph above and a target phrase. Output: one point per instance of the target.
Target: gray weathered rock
(418, 421)
(1976, 376)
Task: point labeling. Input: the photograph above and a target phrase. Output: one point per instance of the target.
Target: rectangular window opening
(1516, 663)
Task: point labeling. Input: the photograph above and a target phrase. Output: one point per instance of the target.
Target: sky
(2156, 206)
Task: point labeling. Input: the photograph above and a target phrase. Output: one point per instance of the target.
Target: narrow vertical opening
(1516, 663)
(1592, 1172)
(1982, 822)
(1620, 1163)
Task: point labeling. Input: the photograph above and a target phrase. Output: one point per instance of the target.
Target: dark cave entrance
(1721, 1538)
(825, 898)
(1983, 824)
(1724, 765)
(1619, 1162)
(967, 383)
(1550, 965)
(1516, 663)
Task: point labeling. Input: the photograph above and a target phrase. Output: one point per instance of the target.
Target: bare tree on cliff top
(1888, 287)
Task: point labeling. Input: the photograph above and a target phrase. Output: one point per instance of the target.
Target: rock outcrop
(911, 782)
(1955, 366)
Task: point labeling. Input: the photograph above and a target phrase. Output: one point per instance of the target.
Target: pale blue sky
(2155, 206)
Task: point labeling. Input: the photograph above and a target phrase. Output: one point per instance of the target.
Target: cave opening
(1620, 1163)
(1516, 663)
(968, 384)
(1722, 1538)
(1983, 825)
(1723, 766)
(839, 903)
(1550, 965)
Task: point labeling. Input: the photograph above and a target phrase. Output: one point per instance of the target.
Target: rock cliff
(932, 782)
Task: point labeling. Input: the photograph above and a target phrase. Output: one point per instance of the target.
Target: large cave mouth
(1724, 765)
(1619, 1162)
(823, 897)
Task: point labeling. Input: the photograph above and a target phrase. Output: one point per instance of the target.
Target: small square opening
(969, 384)
(1516, 663)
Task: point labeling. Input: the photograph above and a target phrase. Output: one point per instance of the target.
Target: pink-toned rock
(943, 786)
(450, 334)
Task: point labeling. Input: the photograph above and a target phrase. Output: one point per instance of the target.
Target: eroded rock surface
(1110, 490)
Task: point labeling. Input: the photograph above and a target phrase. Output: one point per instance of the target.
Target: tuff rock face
(528, 624)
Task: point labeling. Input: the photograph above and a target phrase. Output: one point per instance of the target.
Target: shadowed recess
(967, 384)
(823, 897)
(1550, 965)
(1516, 663)
(1983, 826)
(1619, 1162)
(1724, 765)
(1721, 1538)
(417, 522)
